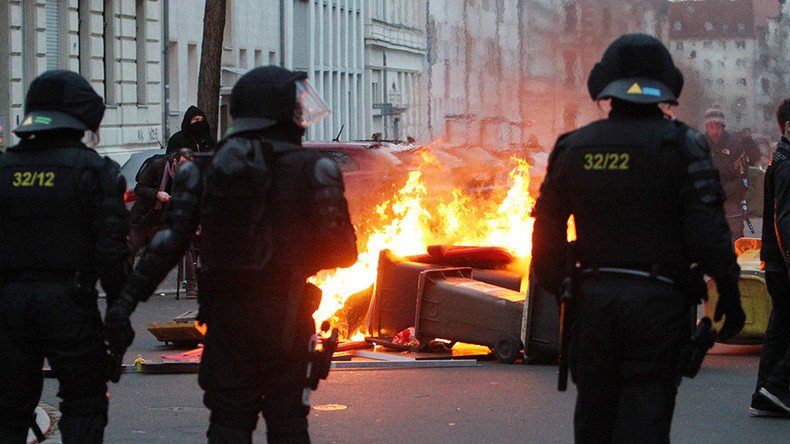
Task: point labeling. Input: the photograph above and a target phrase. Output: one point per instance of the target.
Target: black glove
(729, 306)
(117, 329)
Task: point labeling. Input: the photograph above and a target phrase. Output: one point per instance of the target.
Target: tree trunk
(211, 61)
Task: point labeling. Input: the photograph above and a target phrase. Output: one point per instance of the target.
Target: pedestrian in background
(153, 188)
(271, 215)
(63, 224)
(647, 205)
(772, 395)
(732, 155)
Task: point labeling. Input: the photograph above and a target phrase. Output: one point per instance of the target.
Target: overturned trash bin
(452, 306)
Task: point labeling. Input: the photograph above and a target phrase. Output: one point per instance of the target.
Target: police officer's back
(63, 225)
(271, 214)
(646, 205)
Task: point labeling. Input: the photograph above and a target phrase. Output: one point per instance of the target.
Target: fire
(414, 218)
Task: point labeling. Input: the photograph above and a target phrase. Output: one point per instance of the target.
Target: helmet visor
(309, 106)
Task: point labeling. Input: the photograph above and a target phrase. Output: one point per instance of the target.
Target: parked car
(371, 172)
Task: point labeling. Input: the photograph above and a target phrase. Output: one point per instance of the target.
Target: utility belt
(629, 272)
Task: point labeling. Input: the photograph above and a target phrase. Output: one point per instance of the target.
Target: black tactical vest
(623, 179)
(45, 219)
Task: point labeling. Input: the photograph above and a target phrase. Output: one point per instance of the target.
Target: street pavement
(490, 402)
(487, 403)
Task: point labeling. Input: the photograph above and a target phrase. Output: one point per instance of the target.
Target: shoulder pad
(239, 155)
(188, 177)
(696, 144)
(110, 177)
(327, 173)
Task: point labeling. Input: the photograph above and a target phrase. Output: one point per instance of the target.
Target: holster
(694, 351)
(692, 284)
(320, 360)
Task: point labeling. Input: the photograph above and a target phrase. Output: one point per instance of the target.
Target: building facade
(735, 47)
(115, 44)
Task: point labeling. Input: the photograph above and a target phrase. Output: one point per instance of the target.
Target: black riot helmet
(270, 95)
(636, 68)
(60, 99)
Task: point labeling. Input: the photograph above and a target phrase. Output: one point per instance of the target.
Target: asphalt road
(490, 402)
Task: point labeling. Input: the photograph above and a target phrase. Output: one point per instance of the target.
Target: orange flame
(414, 218)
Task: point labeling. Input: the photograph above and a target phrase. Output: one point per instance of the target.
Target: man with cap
(271, 215)
(647, 206)
(732, 154)
(63, 225)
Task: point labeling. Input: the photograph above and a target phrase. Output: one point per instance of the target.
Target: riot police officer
(271, 214)
(63, 225)
(647, 204)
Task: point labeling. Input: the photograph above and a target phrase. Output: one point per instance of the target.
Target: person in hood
(195, 133)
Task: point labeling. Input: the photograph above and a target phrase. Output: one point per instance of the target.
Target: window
(765, 85)
(741, 27)
(741, 81)
(678, 25)
(740, 44)
(720, 81)
(707, 44)
(606, 19)
(679, 46)
(570, 17)
(243, 58)
(109, 51)
(258, 55)
(172, 75)
(55, 44)
(707, 64)
(693, 54)
(740, 63)
(708, 26)
(192, 72)
(141, 36)
(375, 92)
(272, 58)
(84, 36)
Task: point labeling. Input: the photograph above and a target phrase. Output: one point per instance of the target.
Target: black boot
(218, 434)
(10, 435)
(82, 429)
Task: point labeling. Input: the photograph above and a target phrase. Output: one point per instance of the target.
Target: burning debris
(415, 220)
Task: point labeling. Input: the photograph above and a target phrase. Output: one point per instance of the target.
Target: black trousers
(624, 358)
(775, 357)
(245, 371)
(52, 320)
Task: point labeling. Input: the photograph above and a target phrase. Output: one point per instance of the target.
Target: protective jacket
(643, 194)
(61, 209)
(776, 208)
